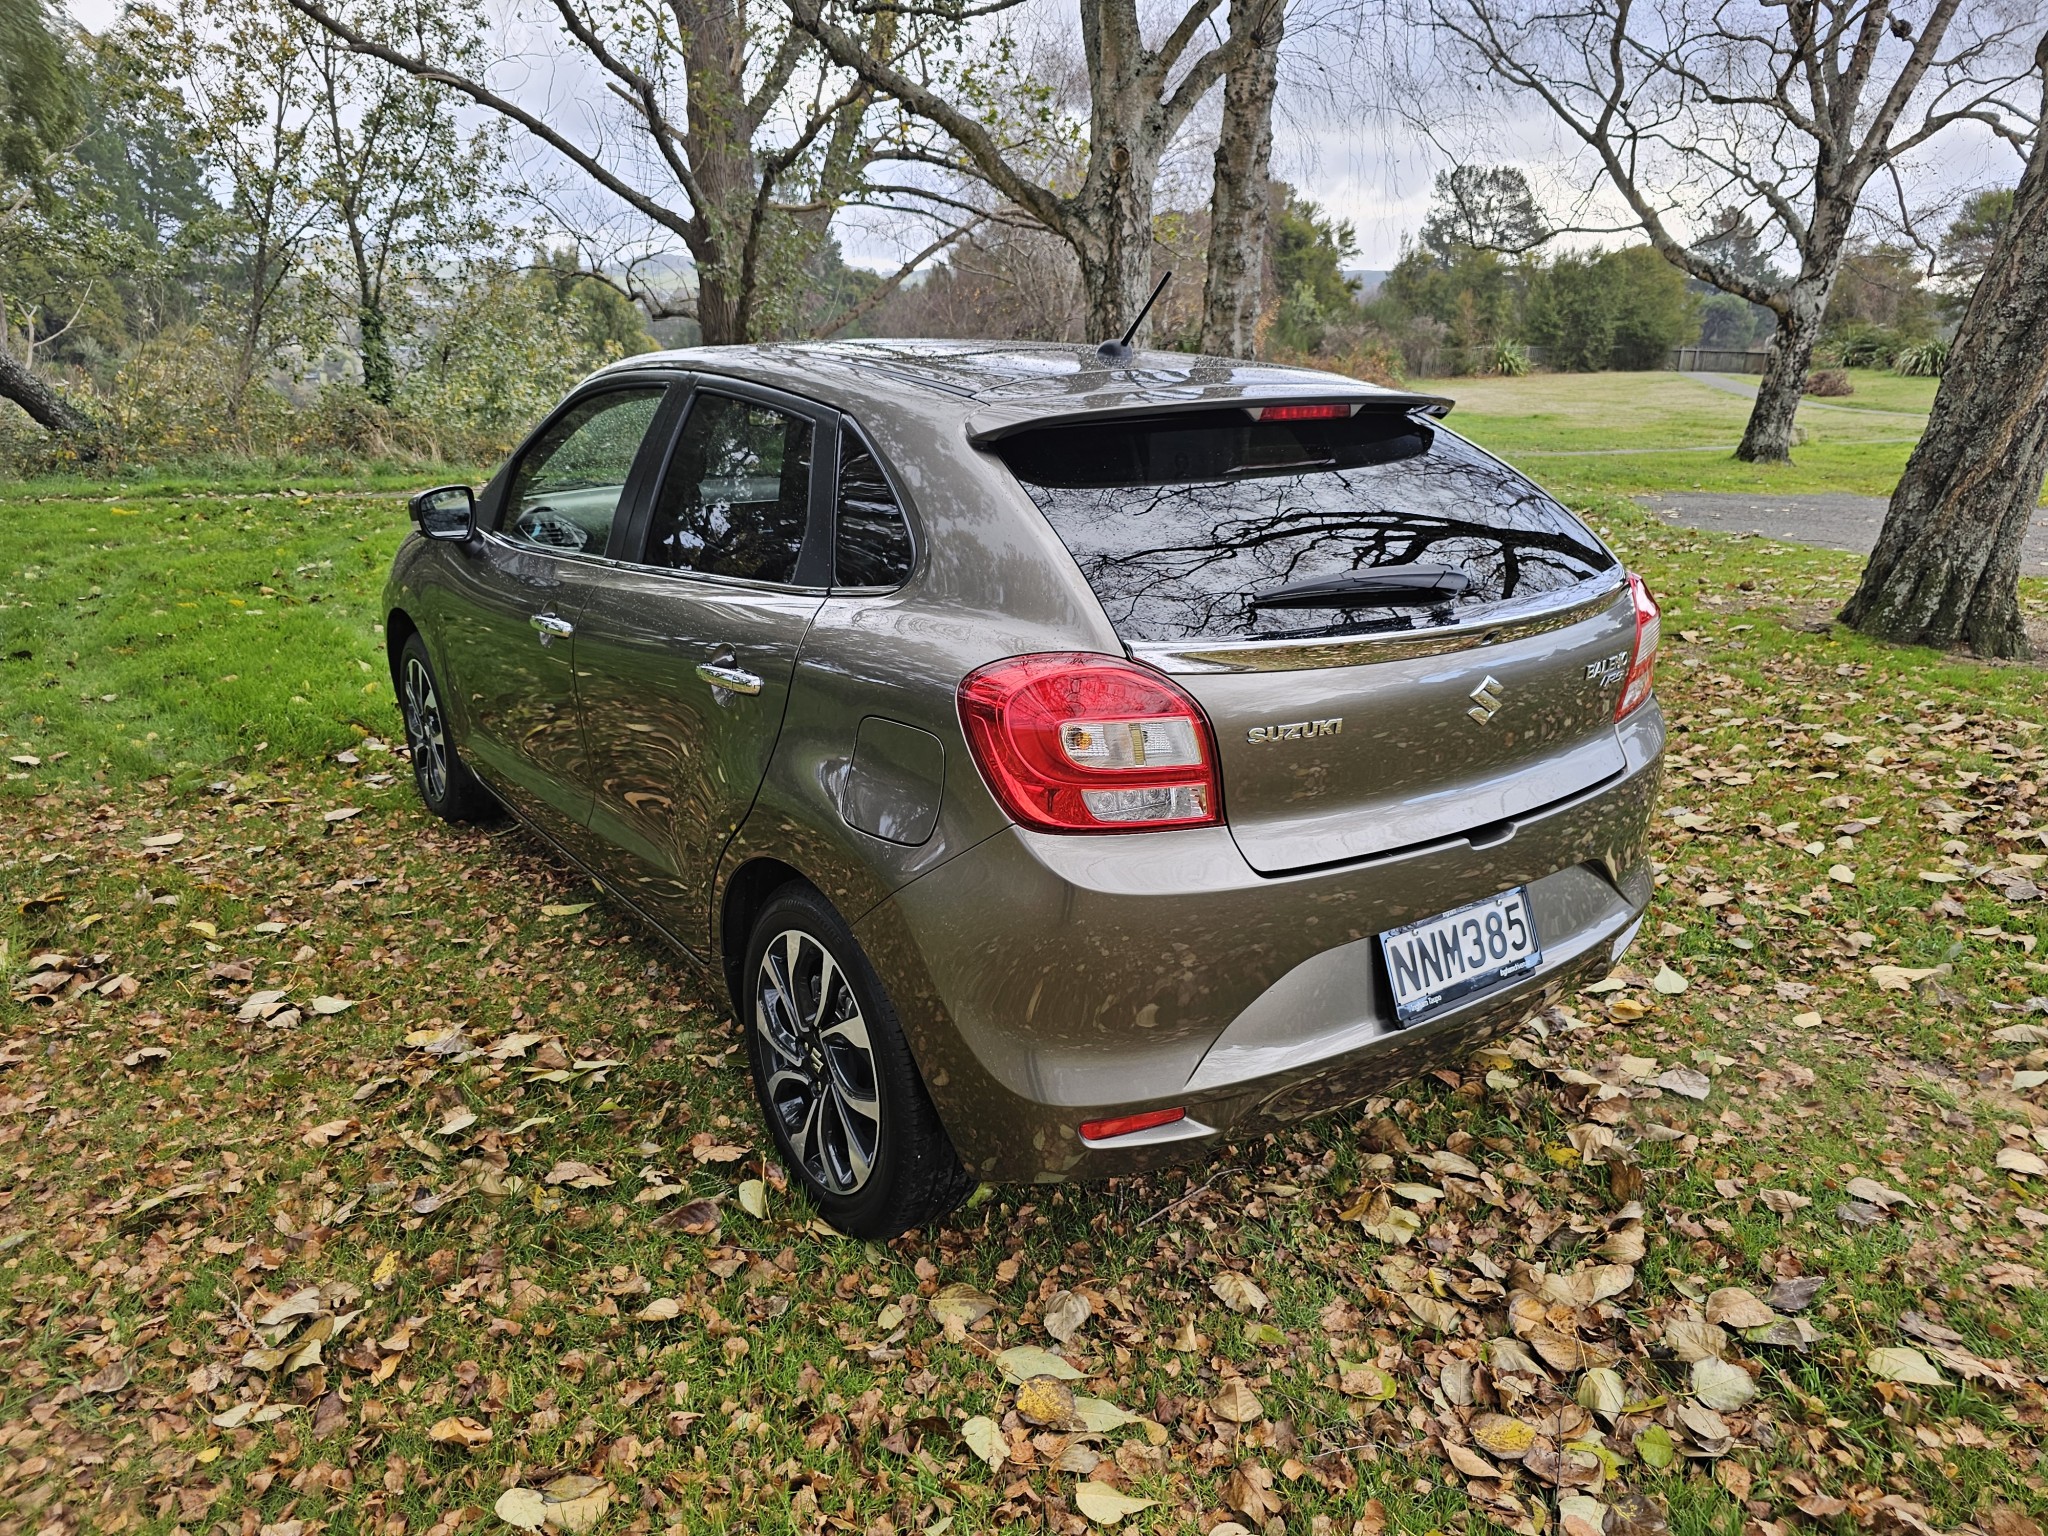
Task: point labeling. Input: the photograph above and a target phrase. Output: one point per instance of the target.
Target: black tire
(446, 786)
(836, 1082)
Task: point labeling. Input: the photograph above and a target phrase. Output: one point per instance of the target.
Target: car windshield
(1183, 524)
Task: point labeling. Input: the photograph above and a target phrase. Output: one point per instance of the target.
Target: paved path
(1729, 385)
(1832, 521)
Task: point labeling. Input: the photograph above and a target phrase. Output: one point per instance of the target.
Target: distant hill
(1366, 280)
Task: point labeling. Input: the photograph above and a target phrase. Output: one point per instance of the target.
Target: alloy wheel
(821, 1080)
(423, 729)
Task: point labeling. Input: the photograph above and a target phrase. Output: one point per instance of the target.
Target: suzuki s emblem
(1485, 700)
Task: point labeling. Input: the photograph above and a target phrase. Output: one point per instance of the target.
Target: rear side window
(736, 498)
(872, 545)
(1209, 525)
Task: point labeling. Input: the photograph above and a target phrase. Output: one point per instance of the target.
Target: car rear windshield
(1210, 525)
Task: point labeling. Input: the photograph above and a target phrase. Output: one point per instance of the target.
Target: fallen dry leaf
(460, 1430)
(1104, 1505)
(1236, 1402)
(1238, 1292)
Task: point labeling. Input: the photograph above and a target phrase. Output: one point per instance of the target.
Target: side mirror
(446, 512)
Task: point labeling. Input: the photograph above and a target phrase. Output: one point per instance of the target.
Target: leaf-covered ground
(360, 1174)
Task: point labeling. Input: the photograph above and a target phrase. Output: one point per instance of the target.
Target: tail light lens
(1074, 742)
(1649, 630)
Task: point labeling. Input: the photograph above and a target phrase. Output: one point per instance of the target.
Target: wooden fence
(1718, 359)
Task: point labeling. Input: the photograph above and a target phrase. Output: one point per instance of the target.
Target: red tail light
(1649, 630)
(1073, 742)
(1302, 412)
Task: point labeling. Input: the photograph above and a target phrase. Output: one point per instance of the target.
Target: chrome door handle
(551, 625)
(731, 679)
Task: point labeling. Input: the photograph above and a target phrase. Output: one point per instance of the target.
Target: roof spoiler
(986, 431)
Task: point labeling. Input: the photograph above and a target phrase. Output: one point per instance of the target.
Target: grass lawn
(359, 1171)
(1627, 432)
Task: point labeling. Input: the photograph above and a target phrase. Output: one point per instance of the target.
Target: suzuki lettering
(1300, 730)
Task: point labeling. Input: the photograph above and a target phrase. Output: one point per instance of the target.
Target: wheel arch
(747, 890)
(398, 628)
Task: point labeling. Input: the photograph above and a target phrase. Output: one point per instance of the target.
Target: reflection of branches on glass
(735, 500)
(1186, 561)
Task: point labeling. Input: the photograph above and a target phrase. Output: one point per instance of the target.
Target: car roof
(999, 386)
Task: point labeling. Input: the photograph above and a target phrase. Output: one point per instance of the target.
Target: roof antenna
(1120, 351)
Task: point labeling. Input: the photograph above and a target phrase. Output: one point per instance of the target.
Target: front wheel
(835, 1080)
(444, 781)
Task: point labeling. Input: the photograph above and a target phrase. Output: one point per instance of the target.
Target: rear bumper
(1044, 981)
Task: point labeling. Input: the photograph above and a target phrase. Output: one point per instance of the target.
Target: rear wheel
(835, 1080)
(446, 785)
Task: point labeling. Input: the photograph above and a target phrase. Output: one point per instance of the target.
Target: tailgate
(1397, 637)
(1328, 763)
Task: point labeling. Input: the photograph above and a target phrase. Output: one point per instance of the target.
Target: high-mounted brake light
(1643, 660)
(1074, 742)
(1129, 1125)
(1302, 412)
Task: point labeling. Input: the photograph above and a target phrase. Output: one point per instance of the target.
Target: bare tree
(1781, 108)
(1946, 567)
(402, 183)
(1139, 96)
(1240, 201)
(248, 91)
(756, 144)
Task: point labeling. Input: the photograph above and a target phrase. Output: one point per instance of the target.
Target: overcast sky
(1359, 167)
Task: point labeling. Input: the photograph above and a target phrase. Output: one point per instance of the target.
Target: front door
(507, 632)
(684, 664)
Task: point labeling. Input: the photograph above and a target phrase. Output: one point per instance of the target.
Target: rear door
(506, 626)
(684, 665)
(1397, 638)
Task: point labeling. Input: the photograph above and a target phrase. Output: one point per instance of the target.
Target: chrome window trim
(713, 579)
(1504, 621)
(519, 546)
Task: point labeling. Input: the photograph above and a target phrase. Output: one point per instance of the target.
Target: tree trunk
(1113, 210)
(719, 314)
(1112, 237)
(380, 373)
(1767, 439)
(1946, 568)
(718, 144)
(45, 406)
(1234, 291)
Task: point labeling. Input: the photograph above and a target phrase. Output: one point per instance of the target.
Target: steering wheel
(545, 526)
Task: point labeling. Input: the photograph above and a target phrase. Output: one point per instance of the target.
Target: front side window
(736, 500)
(872, 542)
(566, 490)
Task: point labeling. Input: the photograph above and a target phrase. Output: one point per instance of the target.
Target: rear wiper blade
(1408, 586)
(1280, 467)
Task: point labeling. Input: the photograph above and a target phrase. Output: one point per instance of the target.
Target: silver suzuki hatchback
(1067, 758)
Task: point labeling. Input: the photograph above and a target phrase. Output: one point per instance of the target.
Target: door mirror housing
(446, 512)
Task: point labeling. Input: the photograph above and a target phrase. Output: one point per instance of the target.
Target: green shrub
(1510, 359)
(1864, 346)
(1922, 360)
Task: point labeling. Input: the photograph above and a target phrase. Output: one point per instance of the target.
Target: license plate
(1442, 959)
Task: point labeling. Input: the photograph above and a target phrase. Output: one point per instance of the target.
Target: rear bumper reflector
(1126, 1125)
